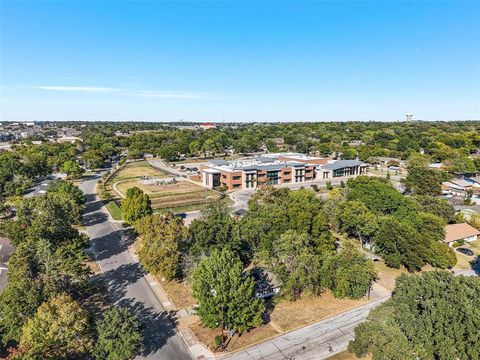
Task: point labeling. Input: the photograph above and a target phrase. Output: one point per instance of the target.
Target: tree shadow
(117, 280)
(108, 245)
(94, 218)
(475, 264)
(92, 206)
(157, 327)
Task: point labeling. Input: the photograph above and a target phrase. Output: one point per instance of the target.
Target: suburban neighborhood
(239, 180)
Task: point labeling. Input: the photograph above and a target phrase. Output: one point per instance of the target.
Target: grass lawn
(114, 210)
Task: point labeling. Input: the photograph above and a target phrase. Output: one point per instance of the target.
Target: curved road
(126, 284)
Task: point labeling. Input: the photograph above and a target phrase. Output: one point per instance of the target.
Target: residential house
(459, 232)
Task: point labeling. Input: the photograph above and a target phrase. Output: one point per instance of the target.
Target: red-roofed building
(206, 126)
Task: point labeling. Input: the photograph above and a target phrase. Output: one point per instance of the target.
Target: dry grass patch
(137, 170)
(387, 276)
(289, 315)
(348, 356)
(93, 266)
(248, 338)
(180, 293)
(463, 261)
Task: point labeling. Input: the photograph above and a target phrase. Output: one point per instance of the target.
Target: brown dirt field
(310, 309)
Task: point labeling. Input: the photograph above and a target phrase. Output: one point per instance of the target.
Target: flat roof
(340, 164)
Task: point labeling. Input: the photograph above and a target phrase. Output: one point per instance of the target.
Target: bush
(218, 341)
(328, 185)
(458, 243)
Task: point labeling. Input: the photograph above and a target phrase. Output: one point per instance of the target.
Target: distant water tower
(408, 117)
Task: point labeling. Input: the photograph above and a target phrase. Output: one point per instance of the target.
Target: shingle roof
(454, 232)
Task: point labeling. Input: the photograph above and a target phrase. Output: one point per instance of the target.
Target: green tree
(297, 265)
(225, 293)
(67, 191)
(136, 205)
(72, 169)
(423, 181)
(432, 316)
(18, 302)
(162, 239)
(60, 329)
(436, 206)
(214, 229)
(400, 244)
(119, 335)
(349, 274)
(357, 220)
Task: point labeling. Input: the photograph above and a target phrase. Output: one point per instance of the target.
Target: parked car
(465, 251)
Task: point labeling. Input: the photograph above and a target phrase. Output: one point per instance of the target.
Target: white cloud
(164, 94)
(85, 89)
(161, 94)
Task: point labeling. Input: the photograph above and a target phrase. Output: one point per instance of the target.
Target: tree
(349, 274)
(60, 329)
(162, 239)
(377, 194)
(47, 217)
(357, 220)
(400, 244)
(432, 316)
(119, 335)
(72, 169)
(93, 159)
(423, 181)
(213, 230)
(297, 265)
(67, 191)
(225, 293)
(18, 302)
(436, 206)
(136, 205)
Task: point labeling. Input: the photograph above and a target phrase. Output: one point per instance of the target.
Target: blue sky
(239, 61)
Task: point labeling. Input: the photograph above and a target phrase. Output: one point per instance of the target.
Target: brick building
(274, 169)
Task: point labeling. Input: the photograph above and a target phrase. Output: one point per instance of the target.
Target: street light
(214, 293)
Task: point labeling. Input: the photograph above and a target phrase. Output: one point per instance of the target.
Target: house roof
(461, 182)
(340, 164)
(454, 232)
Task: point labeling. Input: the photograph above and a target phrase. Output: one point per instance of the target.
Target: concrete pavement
(126, 283)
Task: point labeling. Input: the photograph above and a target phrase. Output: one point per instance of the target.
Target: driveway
(126, 284)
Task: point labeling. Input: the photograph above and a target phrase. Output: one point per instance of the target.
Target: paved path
(314, 342)
(126, 283)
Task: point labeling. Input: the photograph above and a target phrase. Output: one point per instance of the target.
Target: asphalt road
(126, 283)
